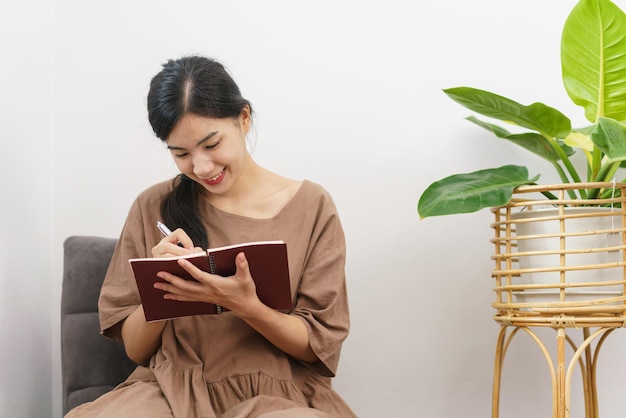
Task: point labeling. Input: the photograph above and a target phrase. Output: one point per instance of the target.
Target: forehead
(192, 128)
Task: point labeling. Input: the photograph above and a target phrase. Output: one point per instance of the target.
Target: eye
(211, 146)
(181, 154)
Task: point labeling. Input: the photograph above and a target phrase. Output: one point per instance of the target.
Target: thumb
(241, 262)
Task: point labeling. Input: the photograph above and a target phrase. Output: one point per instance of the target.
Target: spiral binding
(218, 308)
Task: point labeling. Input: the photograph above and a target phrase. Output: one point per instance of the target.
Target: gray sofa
(91, 363)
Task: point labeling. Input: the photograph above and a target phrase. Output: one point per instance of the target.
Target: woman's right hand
(177, 243)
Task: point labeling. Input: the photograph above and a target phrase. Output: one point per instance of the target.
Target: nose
(203, 166)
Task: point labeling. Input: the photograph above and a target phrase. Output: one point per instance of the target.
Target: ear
(245, 119)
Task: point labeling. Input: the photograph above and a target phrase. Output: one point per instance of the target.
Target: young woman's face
(211, 151)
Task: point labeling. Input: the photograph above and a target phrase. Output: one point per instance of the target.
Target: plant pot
(579, 245)
(562, 252)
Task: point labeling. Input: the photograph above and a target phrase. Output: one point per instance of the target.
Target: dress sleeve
(321, 298)
(119, 296)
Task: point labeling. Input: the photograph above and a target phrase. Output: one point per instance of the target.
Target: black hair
(201, 86)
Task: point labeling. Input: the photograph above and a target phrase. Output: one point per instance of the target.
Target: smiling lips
(215, 179)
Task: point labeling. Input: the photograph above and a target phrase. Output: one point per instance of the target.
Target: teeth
(216, 176)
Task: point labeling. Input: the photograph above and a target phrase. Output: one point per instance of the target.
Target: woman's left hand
(236, 293)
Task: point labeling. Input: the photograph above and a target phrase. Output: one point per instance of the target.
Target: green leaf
(593, 58)
(531, 141)
(579, 140)
(470, 192)
(610, 137)
(537, 116)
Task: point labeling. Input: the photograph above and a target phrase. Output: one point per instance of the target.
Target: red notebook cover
(268, 266)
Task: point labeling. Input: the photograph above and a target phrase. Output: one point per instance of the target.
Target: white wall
(347, 94)
(27, 209)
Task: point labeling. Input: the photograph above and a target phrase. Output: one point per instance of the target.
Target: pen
(163, 228)
(165, 231)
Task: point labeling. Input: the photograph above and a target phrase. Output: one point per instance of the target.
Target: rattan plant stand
(573, 285)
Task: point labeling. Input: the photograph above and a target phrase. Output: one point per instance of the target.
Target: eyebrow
(200, 142)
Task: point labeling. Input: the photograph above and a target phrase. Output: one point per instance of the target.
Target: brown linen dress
(217, 365)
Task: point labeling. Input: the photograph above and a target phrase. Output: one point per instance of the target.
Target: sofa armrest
(91, 364)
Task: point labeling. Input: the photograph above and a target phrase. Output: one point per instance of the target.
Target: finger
(179, 236)
(172, 283)
(166, 248)
(241, 263)
(176, 287)
(195, 272)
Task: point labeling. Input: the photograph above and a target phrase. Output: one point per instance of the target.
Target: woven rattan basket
(582, 264)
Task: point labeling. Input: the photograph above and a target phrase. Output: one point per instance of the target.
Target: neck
(249, 181)
(258, 193)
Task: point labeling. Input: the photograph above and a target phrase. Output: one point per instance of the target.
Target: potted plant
(593, 64)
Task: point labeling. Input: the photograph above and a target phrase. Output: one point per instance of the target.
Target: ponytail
(179, 209)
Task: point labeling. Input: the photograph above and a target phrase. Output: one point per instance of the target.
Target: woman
(250, 361)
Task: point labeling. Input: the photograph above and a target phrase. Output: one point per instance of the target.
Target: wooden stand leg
(588, 381)
(497, 372)
(561, 375)
(561, 406)
(588, 369)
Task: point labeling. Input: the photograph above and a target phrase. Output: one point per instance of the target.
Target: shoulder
(157, 191)
(314, 192)
(139, 232)
(313, 200)
(150, 198)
